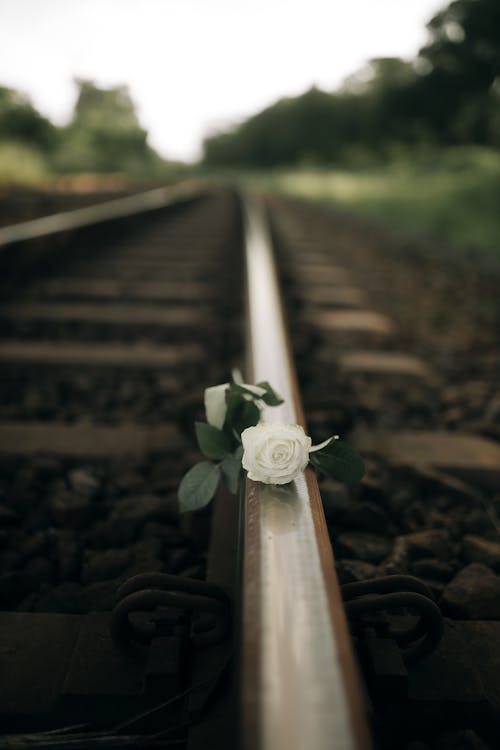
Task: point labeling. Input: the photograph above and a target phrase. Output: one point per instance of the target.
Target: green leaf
(231, 469)
(235, 402)
(270, 397)
(248, 416)
(213, 443)
(339, 461)
(254, 391)
(241, 414)
(198, 486)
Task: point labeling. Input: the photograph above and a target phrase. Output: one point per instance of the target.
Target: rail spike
(364, 598)
(169, 600)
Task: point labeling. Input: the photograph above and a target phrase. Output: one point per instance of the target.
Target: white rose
(275, 453)
(215, 401)
(215, 404)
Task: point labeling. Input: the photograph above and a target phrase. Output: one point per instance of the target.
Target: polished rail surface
(105, 211)
(300, 687)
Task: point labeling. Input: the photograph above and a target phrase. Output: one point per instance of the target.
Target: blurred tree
(458, 90)
(449, 95)
(101, 108)
(318, 127)
(104, 134)
(20, 122)
(307, 129)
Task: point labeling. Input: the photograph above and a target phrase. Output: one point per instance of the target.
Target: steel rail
(99, 213)
(300, 684)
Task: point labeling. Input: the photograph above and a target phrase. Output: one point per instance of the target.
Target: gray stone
(439, 481)
(39, 570)
(432, 568)
(194, 571)
(435, 543)
(71, 509)
(58, 599)
(129, 481)
(430, 544)
(98, 597)
(7, 516)
(435, 587)
(365, 517)
(13, 587)
(361, 546)
(463, 739)
(479, 550)
(477, 522)
(336, 499)
(400, 500)
(152, 565)
(467, 456)
(349, 571)
(84, 481)
(373, 488)
(68, 555)
(47, 468)
(474, 594)
(169, 535)
(147, 550)
(140, 509)
(35, 545)
(114, 532)
(99, 566)
(178, 559)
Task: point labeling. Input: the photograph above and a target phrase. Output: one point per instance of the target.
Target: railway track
(112, 323)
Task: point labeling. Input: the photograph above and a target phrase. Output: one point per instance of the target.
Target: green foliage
(240, 414)
(198, 486)
(212, 442)
(270, 396)
(308, 128)
(20, 122)
(27, 139)
(449, 95)
(339, 461)
(231, 469)
(449, 194)
(331, 458)
(21, 164)
(104, 109)
(224, 446)
(103, 136)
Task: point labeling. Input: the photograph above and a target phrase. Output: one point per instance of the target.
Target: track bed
(106, 345)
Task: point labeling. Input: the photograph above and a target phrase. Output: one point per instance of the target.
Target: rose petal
(275, 453)
(238, 380)
(255, 389)
(215, 404)
(237, 376)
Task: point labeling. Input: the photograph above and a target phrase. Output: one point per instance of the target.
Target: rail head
(300, 684)
(110, 210)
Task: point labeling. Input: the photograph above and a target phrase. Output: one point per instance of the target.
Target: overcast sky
(193, 66)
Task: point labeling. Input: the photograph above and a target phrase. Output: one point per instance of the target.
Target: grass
(451, 195)
(448, 194)
(25, 166)
(21, 165)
